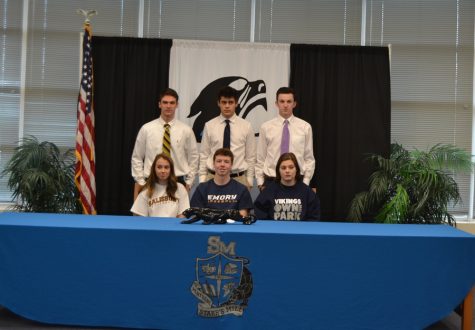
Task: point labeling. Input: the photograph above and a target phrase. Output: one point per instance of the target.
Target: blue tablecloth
(139, 272)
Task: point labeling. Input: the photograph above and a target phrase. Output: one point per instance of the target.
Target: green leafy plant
(41, 178)
(412, 186)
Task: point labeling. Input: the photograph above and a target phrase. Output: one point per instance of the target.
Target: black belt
(269, 178)
(181, 179)
(233, 175)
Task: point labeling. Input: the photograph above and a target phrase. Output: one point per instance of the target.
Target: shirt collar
(282, 119)
(230, 119)
(162, 122)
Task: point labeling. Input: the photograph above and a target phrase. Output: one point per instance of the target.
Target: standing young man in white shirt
(229, 131)
(168, 135)
(285, 133)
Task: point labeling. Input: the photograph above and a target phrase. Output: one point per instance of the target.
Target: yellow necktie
(167, 145)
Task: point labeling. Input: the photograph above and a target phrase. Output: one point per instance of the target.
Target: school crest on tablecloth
(223, 282)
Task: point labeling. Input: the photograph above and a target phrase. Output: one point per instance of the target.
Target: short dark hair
(223, 152)
(288, 156)
(286, 90)
(169, 92)
(228, 91)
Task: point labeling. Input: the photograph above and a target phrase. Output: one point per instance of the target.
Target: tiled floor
(8, 320)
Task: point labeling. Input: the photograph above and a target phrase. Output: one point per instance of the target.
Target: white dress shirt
(149, 144)
(243, 146)
(268, 147)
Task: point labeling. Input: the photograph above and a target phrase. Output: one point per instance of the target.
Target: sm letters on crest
(215, 246)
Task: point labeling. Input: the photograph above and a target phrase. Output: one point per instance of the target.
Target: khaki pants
(242, 179)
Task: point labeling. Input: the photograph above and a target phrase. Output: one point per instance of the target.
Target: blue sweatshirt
(279, 202)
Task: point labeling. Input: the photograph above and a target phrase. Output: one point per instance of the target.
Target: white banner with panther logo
(198, 69)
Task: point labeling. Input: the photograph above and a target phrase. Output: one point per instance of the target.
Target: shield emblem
(218, 276)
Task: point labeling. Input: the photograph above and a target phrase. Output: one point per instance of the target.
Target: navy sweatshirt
(279, 202)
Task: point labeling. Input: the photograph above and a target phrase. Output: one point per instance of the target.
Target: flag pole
(85, 137)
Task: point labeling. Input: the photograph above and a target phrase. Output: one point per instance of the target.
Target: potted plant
(412, 186)
(41, 178)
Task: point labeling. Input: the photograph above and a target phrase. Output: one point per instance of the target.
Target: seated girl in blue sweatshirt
(287, 198)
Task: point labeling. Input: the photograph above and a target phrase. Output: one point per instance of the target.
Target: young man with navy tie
(228, 130)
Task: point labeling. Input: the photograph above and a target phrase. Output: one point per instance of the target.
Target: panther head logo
(251, 95)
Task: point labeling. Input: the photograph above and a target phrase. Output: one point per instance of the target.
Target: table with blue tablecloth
(156, 273)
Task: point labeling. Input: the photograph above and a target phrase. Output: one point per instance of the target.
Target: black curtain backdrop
(344, 93)
(129, 74)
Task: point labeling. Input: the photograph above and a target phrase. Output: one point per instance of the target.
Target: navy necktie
(227, 135)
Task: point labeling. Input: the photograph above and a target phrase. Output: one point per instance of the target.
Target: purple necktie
(284, 144)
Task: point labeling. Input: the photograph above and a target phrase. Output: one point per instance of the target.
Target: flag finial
(87, 13)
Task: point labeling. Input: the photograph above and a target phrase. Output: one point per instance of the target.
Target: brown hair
(169, 92)
(286, 90)
(288, 156)
(172, 184)
(223, 152)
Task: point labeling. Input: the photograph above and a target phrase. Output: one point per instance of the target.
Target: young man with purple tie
(285, 133)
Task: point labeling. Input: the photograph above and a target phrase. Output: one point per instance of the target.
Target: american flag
(85, 154)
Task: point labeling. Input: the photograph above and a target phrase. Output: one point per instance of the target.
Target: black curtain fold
(344, 93)
(129, 74)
